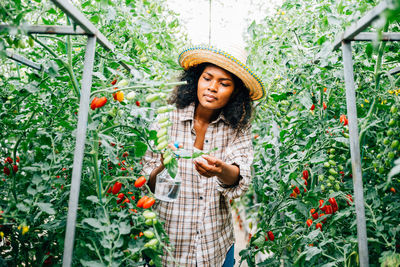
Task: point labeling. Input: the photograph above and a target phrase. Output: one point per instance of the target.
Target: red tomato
(324, 105)
(15, 168)
(101, 102)
(312, 107)
(6, 171)
(312, 211)
(93, 104)
(296, 190)
(271, 236)
(148, 203)
(114, 82)
(141, 201)
(315, 216)
(140, 181)
(117, 186)
(305, 174)
(309, 222)
(318, 225)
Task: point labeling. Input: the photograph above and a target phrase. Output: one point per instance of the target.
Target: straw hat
(230, 57)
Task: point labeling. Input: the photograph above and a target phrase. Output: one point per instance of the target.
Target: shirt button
(198, 232)
(201, 198)
(206, 141)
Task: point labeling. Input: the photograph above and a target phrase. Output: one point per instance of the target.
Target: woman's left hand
(209, 166)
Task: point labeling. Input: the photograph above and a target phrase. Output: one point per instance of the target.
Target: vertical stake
(355, 154)
(79, 150)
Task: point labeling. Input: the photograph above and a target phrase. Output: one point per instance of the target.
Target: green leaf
(140, 149)
(93, 223)
(94, 199)
(92, 263)
(46, 207)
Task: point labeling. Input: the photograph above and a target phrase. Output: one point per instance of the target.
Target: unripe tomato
(122, 83)
(393, 109)
(130, 95)
(394, 144)
(152, 97)
(149, 214)
(148, 234)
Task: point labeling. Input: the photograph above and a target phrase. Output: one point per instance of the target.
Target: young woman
(213, 111)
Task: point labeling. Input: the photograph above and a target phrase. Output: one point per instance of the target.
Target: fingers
(212, 160)
(206, 169)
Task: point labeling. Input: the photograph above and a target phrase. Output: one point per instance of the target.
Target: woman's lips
(209, 97)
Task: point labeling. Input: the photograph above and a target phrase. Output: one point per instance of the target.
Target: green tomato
(390, 132)
(321, 178)
(332, 171)
(151, 243)
(122, 83)
(327, 165)
(341, 167)
(149, 214)
(394, 144)
(386, 141)
(391, 155)
(332, 162)
(392, 122)
(163, 119)
(164, 109)
(393, 109)
(152, 97)
(162, 145)
(322, 187)
(104, 119)
(161, 132)
(329, 184)
(332, 150)
(167, 159)
(331, 156)
(130, 95)
(148, 234)
(337, 187)
(331, 178)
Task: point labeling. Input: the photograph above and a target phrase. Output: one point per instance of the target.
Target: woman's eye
(205, 78)
(224, 84)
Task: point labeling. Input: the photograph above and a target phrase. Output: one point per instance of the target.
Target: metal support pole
(355, 154)
(79, 150)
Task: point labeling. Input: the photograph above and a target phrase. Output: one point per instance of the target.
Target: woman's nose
(213, 86)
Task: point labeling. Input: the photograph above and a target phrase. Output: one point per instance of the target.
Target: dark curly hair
(237, 112)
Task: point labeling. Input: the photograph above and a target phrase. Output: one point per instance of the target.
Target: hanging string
(209, 23)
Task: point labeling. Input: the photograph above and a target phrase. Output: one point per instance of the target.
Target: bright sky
(228, 17)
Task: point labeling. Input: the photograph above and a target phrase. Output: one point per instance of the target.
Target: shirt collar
(187, 114)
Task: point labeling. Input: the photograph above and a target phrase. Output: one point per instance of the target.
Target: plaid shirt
(199, 222)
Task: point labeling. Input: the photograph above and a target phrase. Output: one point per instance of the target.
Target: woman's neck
(204, 115)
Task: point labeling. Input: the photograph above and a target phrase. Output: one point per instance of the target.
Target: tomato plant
(38, 116)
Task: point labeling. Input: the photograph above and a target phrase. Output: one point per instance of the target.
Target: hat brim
(200, 54)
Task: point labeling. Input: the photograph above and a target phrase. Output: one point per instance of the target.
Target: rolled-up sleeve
(239, 153)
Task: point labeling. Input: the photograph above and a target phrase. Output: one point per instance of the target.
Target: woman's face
(215, 87)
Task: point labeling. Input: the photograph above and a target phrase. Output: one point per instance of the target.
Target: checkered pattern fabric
(199, 222)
